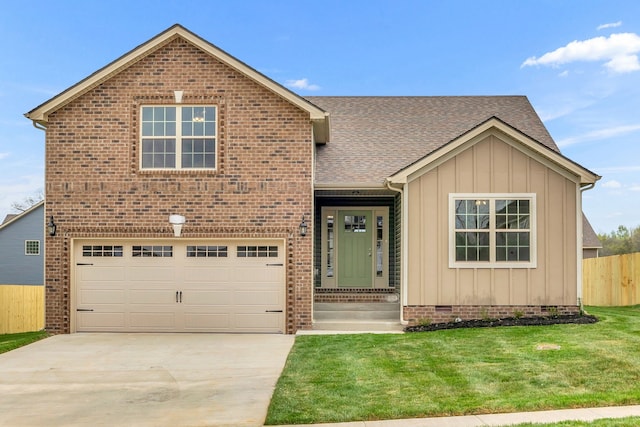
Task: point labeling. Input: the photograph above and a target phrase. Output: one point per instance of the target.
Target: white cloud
(599, 134)
(620, 51)
(4, 155)
(611, 184)
(609, 25)
(635, 187)
(565, 73)
(301, 84)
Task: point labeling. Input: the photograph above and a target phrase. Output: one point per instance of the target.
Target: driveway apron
(91, 379)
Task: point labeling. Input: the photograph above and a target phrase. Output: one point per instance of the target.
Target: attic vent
(444, 309)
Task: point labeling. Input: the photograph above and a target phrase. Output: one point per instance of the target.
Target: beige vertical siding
(492, 165)
(21, 308)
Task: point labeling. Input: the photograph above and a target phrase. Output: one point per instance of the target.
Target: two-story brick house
(192, 193)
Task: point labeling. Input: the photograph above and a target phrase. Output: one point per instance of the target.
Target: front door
(355, 238)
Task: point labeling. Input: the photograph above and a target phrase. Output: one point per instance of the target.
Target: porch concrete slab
(101, 379)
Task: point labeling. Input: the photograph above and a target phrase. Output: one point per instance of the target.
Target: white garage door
(179, 286)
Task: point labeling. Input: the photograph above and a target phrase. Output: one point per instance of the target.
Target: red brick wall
(415, 314)
(262, 187)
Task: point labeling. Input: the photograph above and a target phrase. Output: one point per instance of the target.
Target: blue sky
(577, 61)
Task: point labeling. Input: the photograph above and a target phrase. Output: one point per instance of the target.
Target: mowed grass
(339, 378)
(10, 342)
(605, 422)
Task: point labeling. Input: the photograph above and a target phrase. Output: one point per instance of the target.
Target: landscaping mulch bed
(509, 321)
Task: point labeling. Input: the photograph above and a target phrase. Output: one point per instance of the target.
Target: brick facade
(261, 188)
(440, 314)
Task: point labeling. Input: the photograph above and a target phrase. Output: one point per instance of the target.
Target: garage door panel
(261, 274)
(101, 296)
(207, 298)
(101, 273)
(152, 297)
(101, 321)
(220, 322)
(257, 298)
(207, 275)
(257, 322)
(151, 273)
(153, 320)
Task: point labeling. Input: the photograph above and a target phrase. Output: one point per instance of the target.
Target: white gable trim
(506, 133)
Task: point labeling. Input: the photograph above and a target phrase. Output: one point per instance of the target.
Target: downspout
(404, 248)
(580, 243)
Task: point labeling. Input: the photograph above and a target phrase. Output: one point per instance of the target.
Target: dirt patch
(509, 321)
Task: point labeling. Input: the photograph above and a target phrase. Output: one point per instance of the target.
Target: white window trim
(26, 252)
(178, 138)
(533, 242)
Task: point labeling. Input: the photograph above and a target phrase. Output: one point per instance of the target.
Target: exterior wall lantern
(51, 227)
(303, 227)
(177, 221)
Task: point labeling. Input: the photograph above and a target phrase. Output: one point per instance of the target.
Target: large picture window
(178, 137)
(492, 230)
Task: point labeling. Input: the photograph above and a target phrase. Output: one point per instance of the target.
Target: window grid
(207, 251)
(152, 251)
(178, 137)
(32, 247)
(257, 251)
(102, 251)
(490, 229)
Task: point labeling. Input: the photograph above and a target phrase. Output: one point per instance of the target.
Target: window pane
(147, 129)
(147, 114)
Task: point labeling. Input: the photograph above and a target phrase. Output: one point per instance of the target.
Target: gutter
(580, 239)
(404, 249)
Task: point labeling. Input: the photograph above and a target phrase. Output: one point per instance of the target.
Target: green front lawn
(606, 422)
(338, 378)
(10, 342)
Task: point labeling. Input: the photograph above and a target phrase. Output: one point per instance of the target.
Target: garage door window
(152, 251)
(101, 251)
(206, 251)
(257, 251)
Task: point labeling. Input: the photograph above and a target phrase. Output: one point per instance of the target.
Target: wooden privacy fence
(21, 308)
(611, 280)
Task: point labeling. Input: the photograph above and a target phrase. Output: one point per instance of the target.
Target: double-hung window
(492, 230)
(178, 137)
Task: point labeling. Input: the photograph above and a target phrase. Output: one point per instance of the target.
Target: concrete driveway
(141, 380)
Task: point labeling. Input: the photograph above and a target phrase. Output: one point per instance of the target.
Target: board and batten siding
(493, 164)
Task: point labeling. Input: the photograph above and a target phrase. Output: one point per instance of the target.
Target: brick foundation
(440, 314)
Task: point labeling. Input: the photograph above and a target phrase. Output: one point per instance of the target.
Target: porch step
(357, 317)
(389, 311)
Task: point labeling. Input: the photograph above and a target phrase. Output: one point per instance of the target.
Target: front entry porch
(357, 261)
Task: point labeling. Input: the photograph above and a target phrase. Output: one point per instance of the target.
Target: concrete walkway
(141, 380)
(587, 414)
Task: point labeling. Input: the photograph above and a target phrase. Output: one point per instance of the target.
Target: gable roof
(318, 116)
(589, 237)
(374, 138)
(11, 218)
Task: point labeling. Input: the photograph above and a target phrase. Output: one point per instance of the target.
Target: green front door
(355, 238)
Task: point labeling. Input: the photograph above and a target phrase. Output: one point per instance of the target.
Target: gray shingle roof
(374, 137)
(589, 237)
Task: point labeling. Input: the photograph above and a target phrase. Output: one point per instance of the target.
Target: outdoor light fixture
(177, 221)
(303, 227)
(51, 227)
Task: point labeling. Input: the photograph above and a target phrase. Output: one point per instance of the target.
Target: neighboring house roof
(589, 237)
(8, 218)
(41, 113)
(11, 218)
(373, 138)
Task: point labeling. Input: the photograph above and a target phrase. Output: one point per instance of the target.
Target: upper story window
(492, 230)
(178, 137)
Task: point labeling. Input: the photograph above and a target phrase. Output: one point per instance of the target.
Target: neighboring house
(192, 193)
(591, 245)
(21, 247)
(22, 271)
